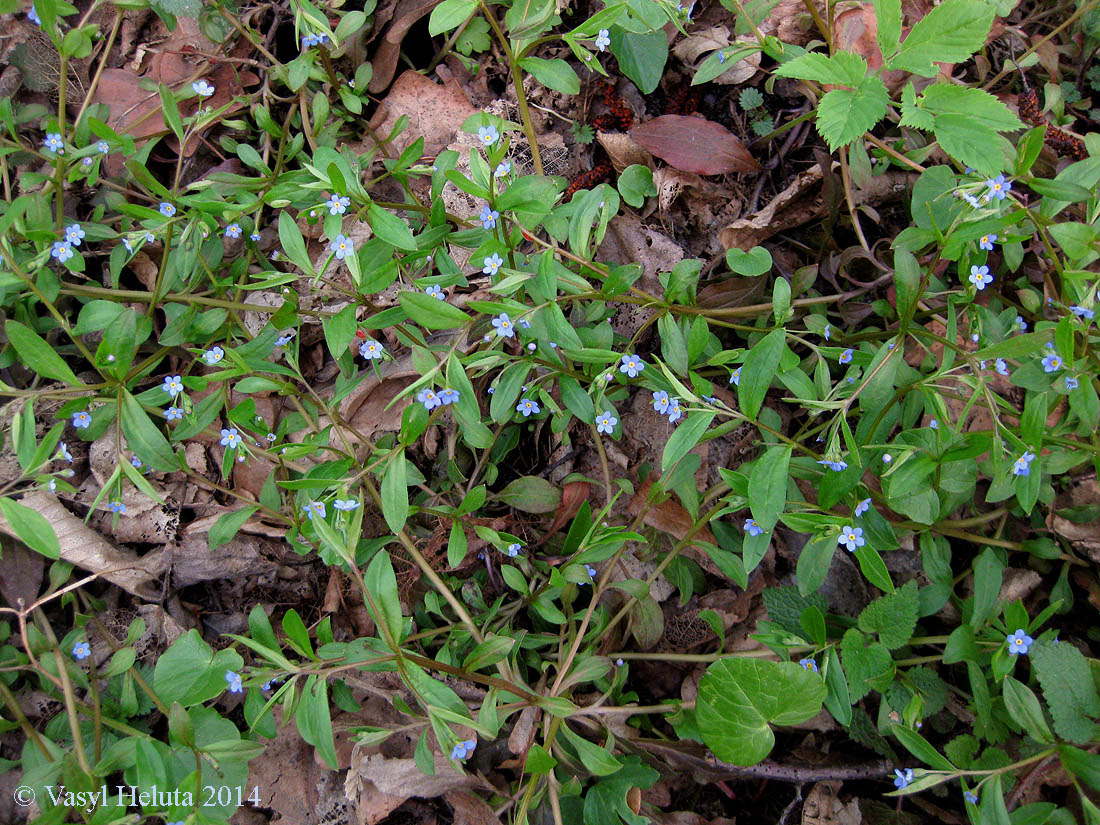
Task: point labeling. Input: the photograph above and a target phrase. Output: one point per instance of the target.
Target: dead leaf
(823, 808)
(435, 112)
(623, 151)
(705, 41)
(670, 517)
(21, 573)
(405, 15)
(471, 810)
(693, 144)
(794, 206)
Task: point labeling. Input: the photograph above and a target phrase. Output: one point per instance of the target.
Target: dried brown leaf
(693, 144)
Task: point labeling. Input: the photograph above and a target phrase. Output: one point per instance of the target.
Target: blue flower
(1021, 323)
(851, 537)
(605, 422)
(591, 571)
(309, 40)
(980, 277)
(234, 680)
(503, 168)
(1022, 465)
(231, 438)
(429, 399)
(887, 458)
(934, 424)
(136, 462)
(603, 39)
(167, 209)
(213, 356)
(489, 217)
(903, 778)
(1071, 383)
(493, 263)
(346, 504)
(752, 528)
(999, 187)
(74, 234)
(660, 401)
(503, 325)
(1082, 312)
(54, 143)
(735, 377)
(371, 349)
(828, 332)
(973, 201)
(254, 236)
(284, 339)
(117, 507)
(173, 385)
(986, 242)
(32, 15)
(835, 466)
(463, 749)
(434, 291)
(448, 396)
(862, 507)
(63, 451)
(103, 146)
(488, 135)
(674, 412)
(721, 57)
(1052, 362)
(528, 407)
(513, 549)
(1001, 366)
(202, 88)
(341, 246)
(81, 651)
(337, 204)
(1019, 642)
(317, 507)
(173, 413)
(808, 664)
(632, 365)
(233, 230)
(970, 797)
(62, 251)
(846, 356)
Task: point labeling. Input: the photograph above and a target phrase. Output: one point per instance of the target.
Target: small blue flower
(429, 399)
(136, 462)
(167, 209)
(81, 651)
(513, 549)
(1082, 312)
(448, 396)
(213, 356)
(338, 204)
(117, 507)
(488, 135)
(32, 15)
(980, 277)
(903, 778)
(284, 339)
(503, 168)
(632, 365)
(846, 356)
(934, 424)
(603, 39)
(310, 40)
(434, 291)
(173, 385)
(463, 749)
(999, 187)
(341, 246)
(970, 797)
(862, 507)
(231, 439)
(605, 422)
(202, 88)
(735, 377)
(986, 242)
(808, 664)
(590, 570)
(54, 143)
(721, 57)
(1022, 465)
(62, 251)
(173, 413)
(835, 466)
(1071, 383)
(74, 234)
(973, 201)
(1052, 362)
(234, 680)
(851, 537)
(346, 504)
(674, 411)
(314, 507)
(1019, 642)
(104, 147)
(660, 401)
(1001, 366)
(752, 528)
(493, 263)
(503, 325)
(254, 236)
(528, 407)
(523, 322)
(233, 230)
(1021, 323)
(371, 349)
(488, 217)
(828, 331)
(63, 451)
(887, 458)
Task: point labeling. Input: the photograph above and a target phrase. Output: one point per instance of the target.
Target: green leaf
(1069, 689)
(922, 749)
(531, 494)
(842, 69)
(888, 20)
(171, 111)
(739, 699)
(756, 261)
(492, 650)
(314, 719)
(759, 370)
(32, 528)
(294, 247)
(190, 672)
(226, 527)
(431, 313)
(785, 606)
(39, 356)
(874, 568)
(768, 486)
(143, 437)
(554, 74)
(969, 102)
(685, 437)
(636, 184)
(813, 563)
(641, 56)
(1082, 764)
(450, 14)
(969, 141)
(339, 330)
(1023, 706)
(382, 585)
(391, 229)
(596, 759)
(721, 61)
(843, 115)
(950, 33)
(869, 667)
(395, 491)
(529, 18)
(893, 617)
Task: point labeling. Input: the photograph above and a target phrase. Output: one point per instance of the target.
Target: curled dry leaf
(623, 151)
(693, 144)
(694, 48)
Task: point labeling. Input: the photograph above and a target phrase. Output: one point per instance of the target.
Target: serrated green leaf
(893, 617)
(37, 355)
(967, 140)
(888, 21)
(868, 666)
(950, 33)
(1069, 689)
(843, 115)
(842, 69)
(785, 606)
(970, 102)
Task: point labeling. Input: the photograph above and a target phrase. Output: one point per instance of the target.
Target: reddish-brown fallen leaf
(693, 144)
